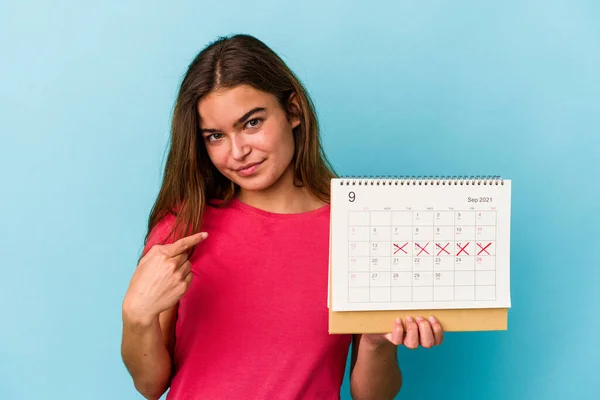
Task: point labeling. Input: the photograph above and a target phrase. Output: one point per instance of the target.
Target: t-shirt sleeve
(161, 233)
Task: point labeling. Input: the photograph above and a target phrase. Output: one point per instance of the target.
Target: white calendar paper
(403, 244)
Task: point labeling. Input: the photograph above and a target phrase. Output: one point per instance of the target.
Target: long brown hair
(190, 180)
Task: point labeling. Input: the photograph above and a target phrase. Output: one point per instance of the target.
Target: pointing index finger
(185, 243)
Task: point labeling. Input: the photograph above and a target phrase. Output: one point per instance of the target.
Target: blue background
(506, 88)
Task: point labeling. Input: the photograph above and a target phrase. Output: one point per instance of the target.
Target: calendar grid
(421, 255)
(496, 270)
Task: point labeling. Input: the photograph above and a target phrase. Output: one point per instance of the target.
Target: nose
(239, 148)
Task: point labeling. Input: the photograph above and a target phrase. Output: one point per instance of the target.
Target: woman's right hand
(161, 278)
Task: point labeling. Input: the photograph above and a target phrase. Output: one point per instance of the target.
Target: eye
(253, 123)
(214, 136)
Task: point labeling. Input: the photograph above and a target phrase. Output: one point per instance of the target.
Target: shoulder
(161, 232)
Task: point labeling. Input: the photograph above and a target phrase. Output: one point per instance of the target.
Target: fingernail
(419, 318)
(204, 235)
(398, 320)
(432, 319)
(408, 319)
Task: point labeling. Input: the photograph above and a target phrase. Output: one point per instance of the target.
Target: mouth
(248, 169)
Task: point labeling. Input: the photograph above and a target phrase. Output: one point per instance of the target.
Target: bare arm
(149, 310)
(147, 350)
(375, 373)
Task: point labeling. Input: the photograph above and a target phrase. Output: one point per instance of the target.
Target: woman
(229, 298)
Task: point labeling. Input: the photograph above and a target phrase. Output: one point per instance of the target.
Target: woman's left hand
(419, 331)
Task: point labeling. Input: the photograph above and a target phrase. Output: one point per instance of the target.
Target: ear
(294, 110)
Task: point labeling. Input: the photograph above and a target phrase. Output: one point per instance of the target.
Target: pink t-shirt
(253, 324)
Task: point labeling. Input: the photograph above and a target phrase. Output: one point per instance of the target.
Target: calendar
(420, 243)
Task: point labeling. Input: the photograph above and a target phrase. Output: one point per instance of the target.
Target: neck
(283, 197)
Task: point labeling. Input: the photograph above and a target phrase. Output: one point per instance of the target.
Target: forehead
(225, 106)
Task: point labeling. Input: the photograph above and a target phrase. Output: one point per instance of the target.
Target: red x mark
(462, 248)
(483, 248)
(422, 248)
(442, 248)
(398, 248)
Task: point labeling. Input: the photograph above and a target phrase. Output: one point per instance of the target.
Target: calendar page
(402, 244)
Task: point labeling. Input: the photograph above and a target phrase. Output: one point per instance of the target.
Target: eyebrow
(239, 121)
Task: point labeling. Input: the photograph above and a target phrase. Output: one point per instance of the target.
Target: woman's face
(247, 135)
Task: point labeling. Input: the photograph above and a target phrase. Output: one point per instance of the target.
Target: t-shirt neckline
(269, 214)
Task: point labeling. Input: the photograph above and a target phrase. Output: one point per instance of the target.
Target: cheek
(287, 144)
(217, 155)
(276, 139)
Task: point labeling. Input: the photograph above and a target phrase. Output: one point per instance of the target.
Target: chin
(256, 183)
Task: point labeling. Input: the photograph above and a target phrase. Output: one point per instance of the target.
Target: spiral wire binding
(402, 180)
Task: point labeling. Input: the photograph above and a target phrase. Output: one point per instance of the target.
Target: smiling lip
(249, 169)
